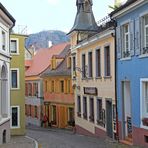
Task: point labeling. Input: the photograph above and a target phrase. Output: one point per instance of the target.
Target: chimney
(49, 44)
(84, 20)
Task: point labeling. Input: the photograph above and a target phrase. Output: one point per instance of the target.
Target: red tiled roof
(28, 63)
(41, 61)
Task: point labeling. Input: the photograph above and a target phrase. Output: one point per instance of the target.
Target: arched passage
(4, 136)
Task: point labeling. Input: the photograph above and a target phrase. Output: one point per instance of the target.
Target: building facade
(93, 73)
(132, 72)
(34, 83)
(17, 93)
(58, 91)
(6, 24)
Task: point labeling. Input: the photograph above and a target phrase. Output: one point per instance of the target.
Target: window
(26, 89)
(35, 87)
(14, 46)
(91, 114)
(90, 66)
(3, 40)
(62, 86)
(14, 78)
(98, 63)
(145, 34)
(54, 117)
(71, 120)
(45, 85)
(15, 117)
(30, 89)
(71, 114)
(84, 107)
(68, 86)
(52, 86)
(26, 109)
(83, 66)
(125, 41)
(30, 110)
(107, 61)
(114, 117)
(74, 67)
(79, 106)
(36, 111)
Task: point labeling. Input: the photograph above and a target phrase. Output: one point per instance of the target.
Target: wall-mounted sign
(91, 91)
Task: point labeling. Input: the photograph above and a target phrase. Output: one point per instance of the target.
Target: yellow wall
(104, 85)
(57, 88)
(18, 95)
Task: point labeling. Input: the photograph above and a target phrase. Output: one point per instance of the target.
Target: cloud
(53, 2)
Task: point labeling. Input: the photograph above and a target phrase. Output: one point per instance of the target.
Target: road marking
(36, 143)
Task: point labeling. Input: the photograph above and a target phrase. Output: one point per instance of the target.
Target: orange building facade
(58, 92)
(34, 98)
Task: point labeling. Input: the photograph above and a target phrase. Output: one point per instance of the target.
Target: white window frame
(142, 102)
(18, 114)
(145, 27)
(17, 46)
(125, 35)
(18, 78)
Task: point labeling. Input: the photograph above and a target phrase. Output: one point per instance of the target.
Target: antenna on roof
(22, 29)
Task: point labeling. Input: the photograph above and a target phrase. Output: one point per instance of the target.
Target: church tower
(85, 23)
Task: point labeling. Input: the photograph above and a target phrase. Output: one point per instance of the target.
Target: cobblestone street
(56, 138)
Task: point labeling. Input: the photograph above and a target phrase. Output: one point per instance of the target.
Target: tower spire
(84, 20)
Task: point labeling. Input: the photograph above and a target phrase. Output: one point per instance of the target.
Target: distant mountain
(41, 39)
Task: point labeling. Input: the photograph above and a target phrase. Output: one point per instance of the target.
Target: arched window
(4, 91)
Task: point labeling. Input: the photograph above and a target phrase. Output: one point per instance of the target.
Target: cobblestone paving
(19, 142)
(55, 138)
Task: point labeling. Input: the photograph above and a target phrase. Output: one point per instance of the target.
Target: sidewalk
(20, 142)
(52, 129)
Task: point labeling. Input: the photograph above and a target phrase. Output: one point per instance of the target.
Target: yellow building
(17, 89)
(92, 50)
(58, 92)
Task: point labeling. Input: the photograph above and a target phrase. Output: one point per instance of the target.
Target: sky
(39, 15)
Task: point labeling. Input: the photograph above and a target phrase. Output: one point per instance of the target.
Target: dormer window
(68, 62)
(53, 63)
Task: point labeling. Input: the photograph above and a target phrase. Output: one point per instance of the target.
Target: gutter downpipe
(116, 102)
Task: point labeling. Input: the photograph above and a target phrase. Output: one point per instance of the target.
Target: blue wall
(132, 70)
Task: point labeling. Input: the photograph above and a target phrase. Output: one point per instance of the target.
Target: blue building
(132, 71)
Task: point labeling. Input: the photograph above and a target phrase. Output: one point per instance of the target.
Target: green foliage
(114, 7)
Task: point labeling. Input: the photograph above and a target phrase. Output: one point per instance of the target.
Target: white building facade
(6, 24)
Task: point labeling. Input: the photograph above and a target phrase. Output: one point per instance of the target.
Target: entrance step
(127, 141)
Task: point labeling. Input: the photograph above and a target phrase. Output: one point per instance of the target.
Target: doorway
(109, 123)
(126, 110)
(4, 136)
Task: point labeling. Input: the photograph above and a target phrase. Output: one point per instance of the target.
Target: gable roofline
(7, 13)
(126, 7)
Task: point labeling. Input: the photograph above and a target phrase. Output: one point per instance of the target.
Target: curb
(36, 143)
